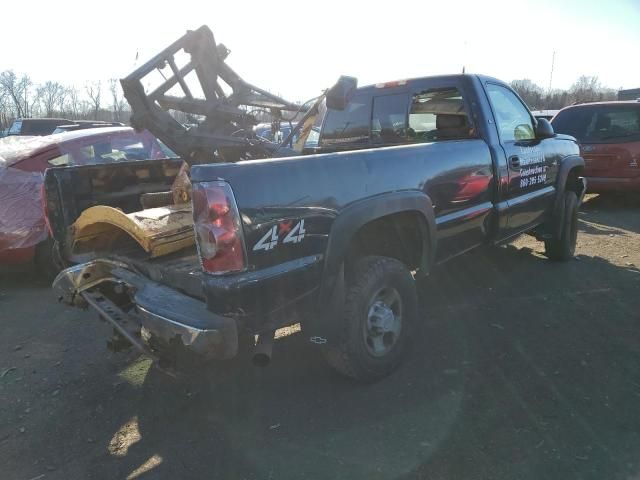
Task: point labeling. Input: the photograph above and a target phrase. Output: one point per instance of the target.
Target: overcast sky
(298, 48)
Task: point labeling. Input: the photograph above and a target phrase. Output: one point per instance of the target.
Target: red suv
(609, 137)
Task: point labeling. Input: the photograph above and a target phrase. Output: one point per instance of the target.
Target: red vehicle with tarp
(23, 161)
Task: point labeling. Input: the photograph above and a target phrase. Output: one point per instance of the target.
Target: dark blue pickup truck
(408, 175)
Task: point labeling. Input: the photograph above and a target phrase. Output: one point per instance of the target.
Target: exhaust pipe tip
(262, 350)
(261, 359)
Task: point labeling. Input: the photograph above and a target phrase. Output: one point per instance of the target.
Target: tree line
(584, 89)
(20, 97)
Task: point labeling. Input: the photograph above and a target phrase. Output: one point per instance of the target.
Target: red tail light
(217, 226)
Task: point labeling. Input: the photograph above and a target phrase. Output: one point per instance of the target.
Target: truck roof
(409, 81)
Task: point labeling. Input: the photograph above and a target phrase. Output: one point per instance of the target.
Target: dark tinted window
(348, 126)
(600, 123)
(389, 120)
(438, 115)
(39, 128)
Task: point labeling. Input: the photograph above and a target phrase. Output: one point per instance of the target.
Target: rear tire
(564, 248)
(379, 315)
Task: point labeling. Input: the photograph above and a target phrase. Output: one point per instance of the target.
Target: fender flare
(358, 214)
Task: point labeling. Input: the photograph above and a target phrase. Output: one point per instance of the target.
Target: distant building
(631, 94)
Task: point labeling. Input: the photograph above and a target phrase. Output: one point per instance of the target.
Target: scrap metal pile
(190, 79)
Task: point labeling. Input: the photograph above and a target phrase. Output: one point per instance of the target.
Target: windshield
(600, 123)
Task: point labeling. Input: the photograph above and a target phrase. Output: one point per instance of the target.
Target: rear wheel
(564, 248)
(380, 311)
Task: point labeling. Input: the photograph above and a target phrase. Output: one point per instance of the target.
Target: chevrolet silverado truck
(405, 176)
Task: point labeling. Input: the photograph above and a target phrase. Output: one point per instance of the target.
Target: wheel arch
(362, 213)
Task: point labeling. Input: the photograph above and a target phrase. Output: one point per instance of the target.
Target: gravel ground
(522, 369)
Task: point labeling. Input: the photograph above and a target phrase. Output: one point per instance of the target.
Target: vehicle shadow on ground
(521, 368)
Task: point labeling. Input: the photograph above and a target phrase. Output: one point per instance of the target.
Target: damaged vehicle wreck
(248, 236)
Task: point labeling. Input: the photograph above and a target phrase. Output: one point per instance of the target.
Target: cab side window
(512, 118)
(438, 114)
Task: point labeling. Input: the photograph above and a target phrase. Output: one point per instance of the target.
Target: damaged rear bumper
(148, 314)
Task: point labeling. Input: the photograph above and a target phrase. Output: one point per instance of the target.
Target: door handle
(514, 162)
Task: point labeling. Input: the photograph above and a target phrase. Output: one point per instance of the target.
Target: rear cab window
(612, 123)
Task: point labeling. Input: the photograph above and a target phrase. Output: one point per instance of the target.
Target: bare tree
(118, 101)
(531, 93)
(62, 100)
(585, 89)
(94, 90)
(49, 94)
(73, 102)
(17, 90)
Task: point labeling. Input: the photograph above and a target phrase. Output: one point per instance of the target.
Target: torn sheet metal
(159, 231)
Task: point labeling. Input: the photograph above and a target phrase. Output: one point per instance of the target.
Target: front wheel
(379, 315)
(564, 248)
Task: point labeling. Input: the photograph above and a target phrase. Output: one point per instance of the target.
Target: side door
(532, 166)
(457, 169)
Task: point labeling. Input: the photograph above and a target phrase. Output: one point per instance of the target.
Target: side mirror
(340, 94)
(544, 129)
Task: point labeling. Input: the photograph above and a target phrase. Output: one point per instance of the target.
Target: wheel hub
(384, 321)
(381, 317)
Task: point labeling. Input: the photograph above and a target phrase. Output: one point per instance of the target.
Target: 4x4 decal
(270, 239)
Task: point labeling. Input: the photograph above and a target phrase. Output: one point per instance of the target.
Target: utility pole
(553, 60)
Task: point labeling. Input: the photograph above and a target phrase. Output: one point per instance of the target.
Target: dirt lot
(523, 369)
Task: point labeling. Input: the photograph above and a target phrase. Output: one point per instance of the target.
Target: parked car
(84, 124)
(36, 126)
(546, 114)
(409, 175)
(23, 234)
(609, 137)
